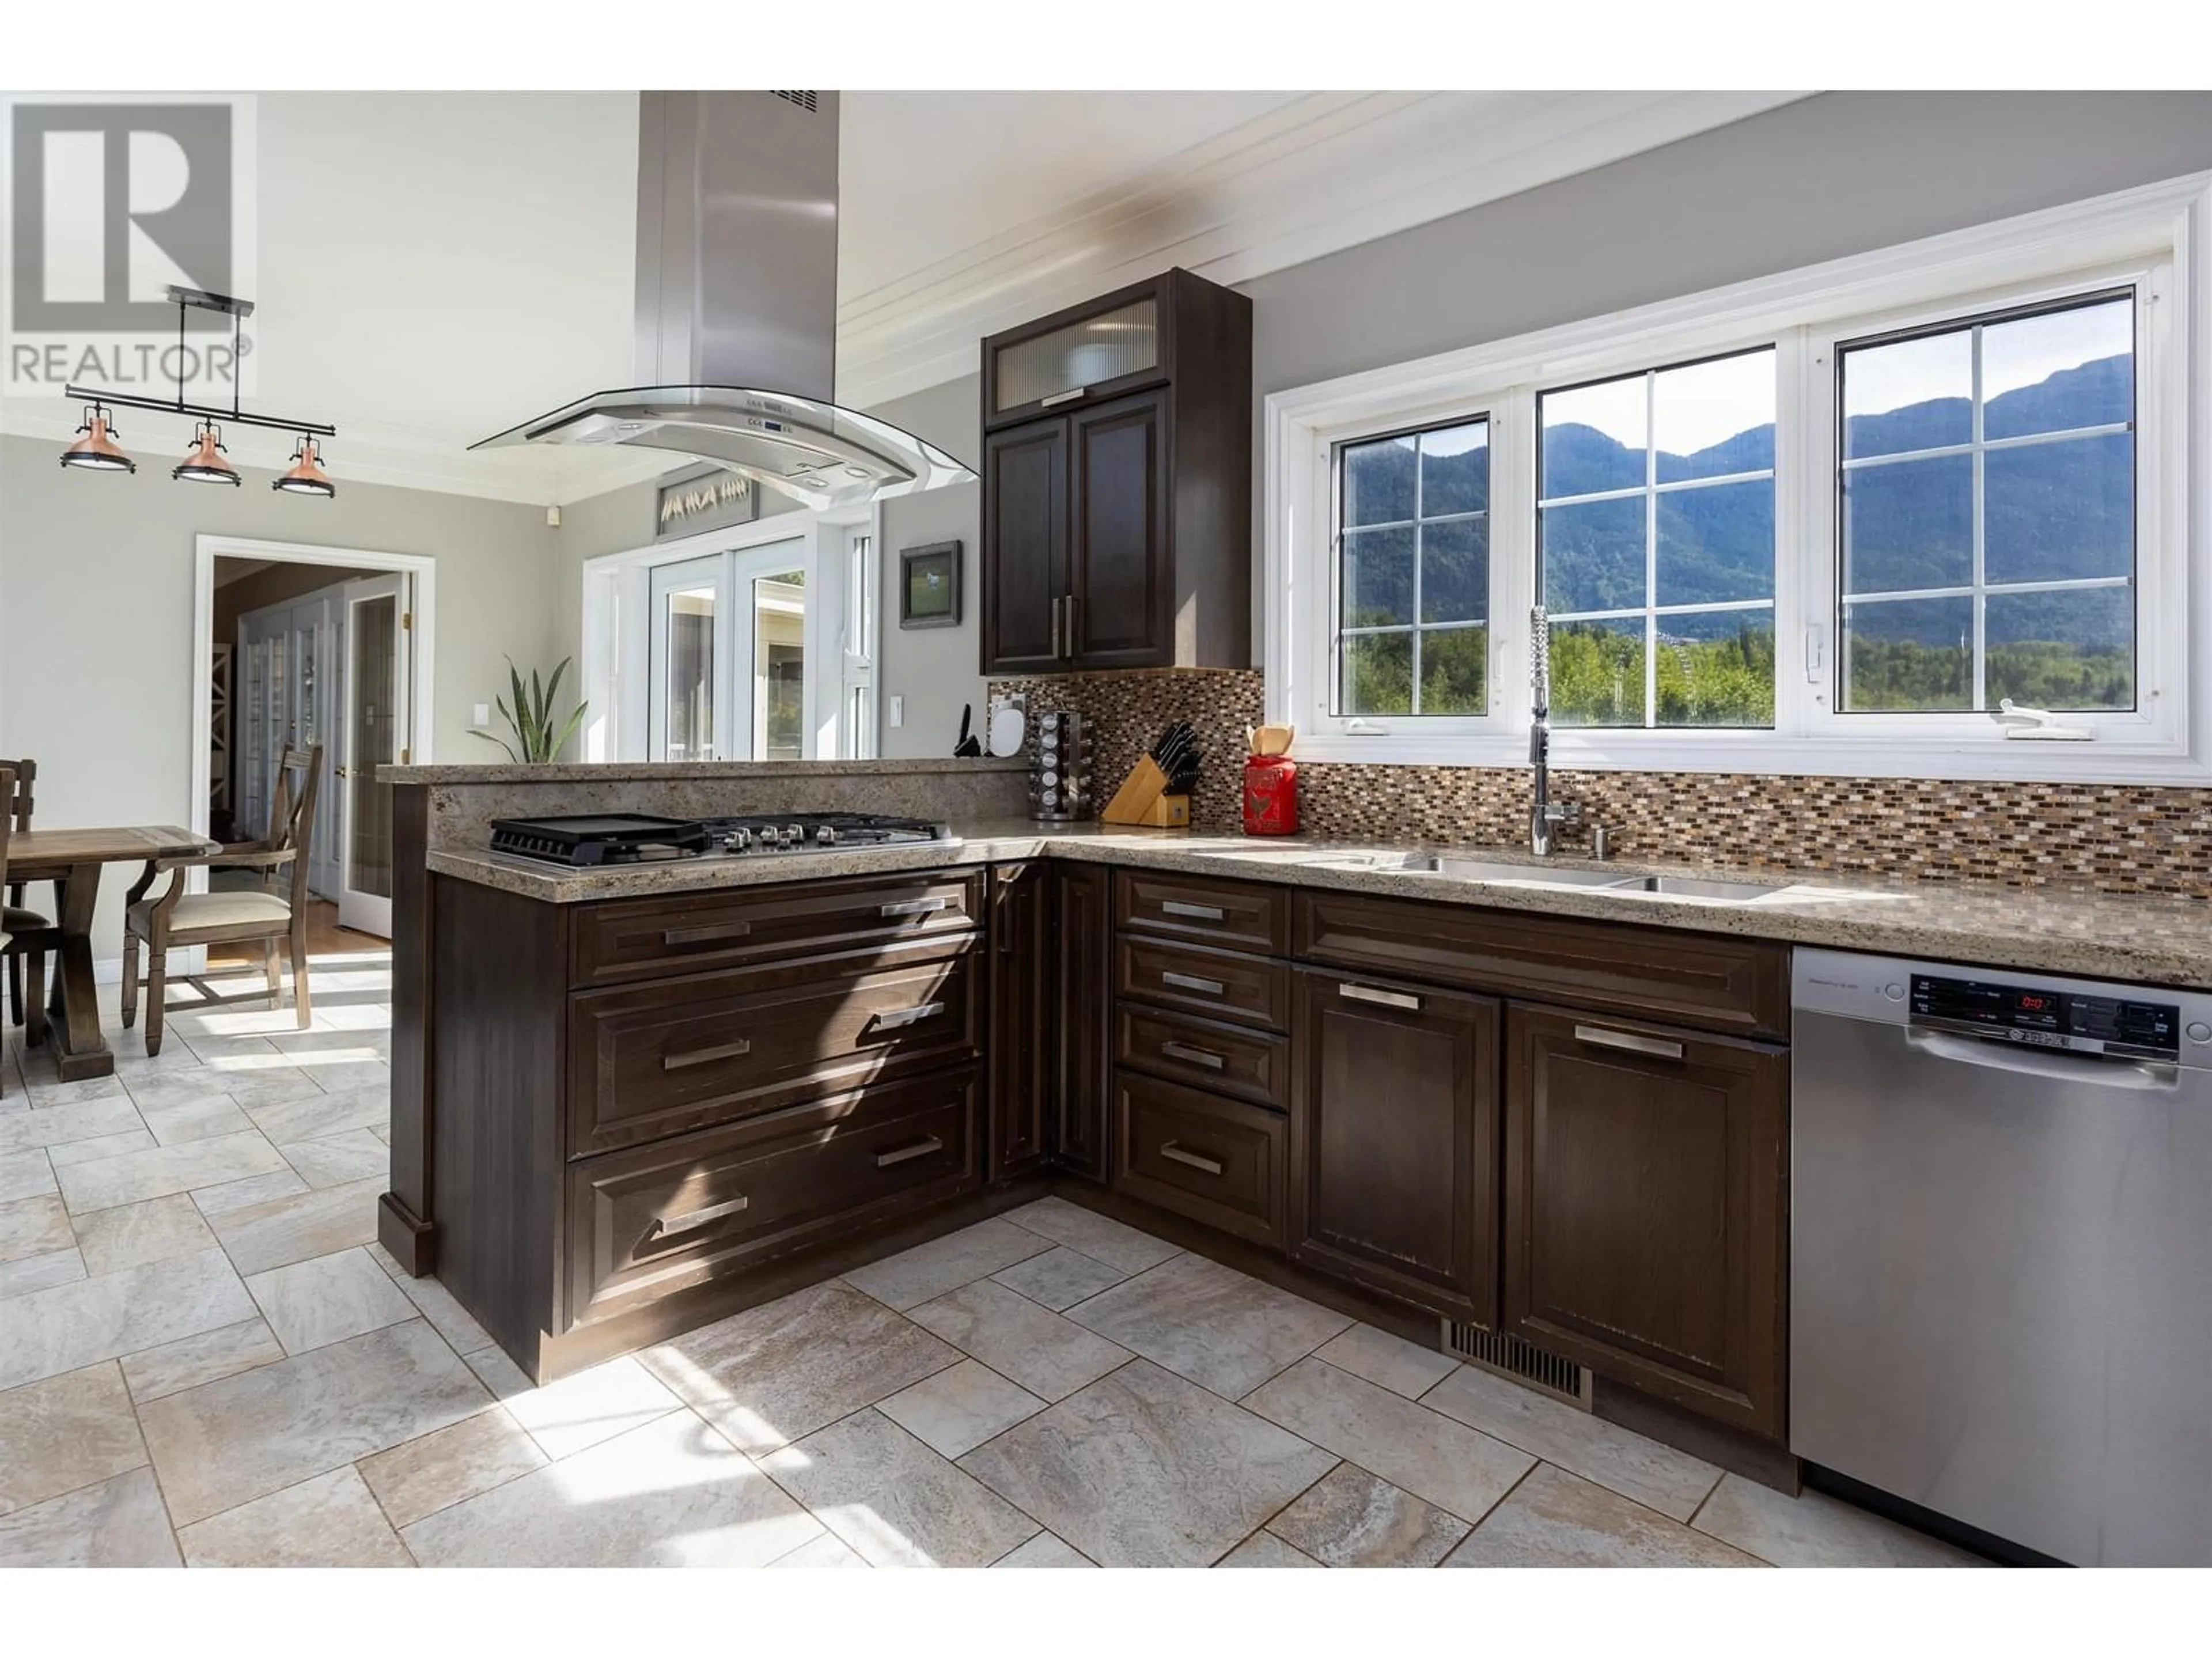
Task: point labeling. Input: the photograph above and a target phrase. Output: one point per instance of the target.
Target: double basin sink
(1455, 868)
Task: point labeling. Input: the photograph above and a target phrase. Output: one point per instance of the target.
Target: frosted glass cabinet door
(1061, 365)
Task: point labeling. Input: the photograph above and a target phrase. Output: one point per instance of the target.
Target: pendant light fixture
(95, 449)
(306, 476)
(207, 464)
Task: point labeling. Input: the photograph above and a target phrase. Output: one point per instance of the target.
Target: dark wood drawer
(647, 939)
(1213, 983)
(647, 1223)
(1219, 1161)
(1249, 1064)
(655, 1059)
(1235, 916)
(1733, 985)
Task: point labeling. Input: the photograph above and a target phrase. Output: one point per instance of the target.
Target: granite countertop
(506, 772)
(2056, 930)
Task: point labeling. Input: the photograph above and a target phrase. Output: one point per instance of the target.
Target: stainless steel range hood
(737, 308)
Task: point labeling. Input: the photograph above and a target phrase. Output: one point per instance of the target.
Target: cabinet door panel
(1646, 1207)
(1394, 1140)
(1083, 973)
(1025, 546)
(1021, 1016)
(1119, 574)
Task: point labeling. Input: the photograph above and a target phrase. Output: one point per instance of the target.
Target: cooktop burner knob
(825, 834)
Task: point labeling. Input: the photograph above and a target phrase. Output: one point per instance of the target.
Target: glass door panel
(375, 714)
(691, 606)
(779, 676)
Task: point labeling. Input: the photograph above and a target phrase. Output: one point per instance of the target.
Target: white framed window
(1824, 522)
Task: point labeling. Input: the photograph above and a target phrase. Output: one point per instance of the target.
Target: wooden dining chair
(15, 805)
(175, 917)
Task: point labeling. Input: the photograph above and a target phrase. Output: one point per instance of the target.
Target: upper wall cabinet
(1117, 483)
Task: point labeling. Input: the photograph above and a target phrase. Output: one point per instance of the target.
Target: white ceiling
(434, 267)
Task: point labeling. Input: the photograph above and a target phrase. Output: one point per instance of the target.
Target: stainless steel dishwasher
(2001, 1250)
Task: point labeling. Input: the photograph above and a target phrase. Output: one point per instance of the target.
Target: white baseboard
(108, 970)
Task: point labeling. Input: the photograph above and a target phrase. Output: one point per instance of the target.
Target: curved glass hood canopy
(737, 312)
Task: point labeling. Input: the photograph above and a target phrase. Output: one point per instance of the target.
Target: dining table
(73, 860)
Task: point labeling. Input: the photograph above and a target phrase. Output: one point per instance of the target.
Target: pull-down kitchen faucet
(1542, 814)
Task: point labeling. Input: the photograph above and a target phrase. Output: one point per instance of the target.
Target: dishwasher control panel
(2046, 1017)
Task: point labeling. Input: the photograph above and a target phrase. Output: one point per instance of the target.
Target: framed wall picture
(929, 585)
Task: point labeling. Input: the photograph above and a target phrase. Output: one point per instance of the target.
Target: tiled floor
(205, 1359)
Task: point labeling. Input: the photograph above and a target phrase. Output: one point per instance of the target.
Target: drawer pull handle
(891, 1018)
(1212, 988)
(1198, 1161)
(1376, 995)
(694, 1218)
(921, 1148)
(715, 934)
(1059, 397)
(706, 1056)
(916, 907)
(1598, 1038)
(1183, 1051)
(1196, 912)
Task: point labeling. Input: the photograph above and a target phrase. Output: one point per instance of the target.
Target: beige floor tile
(451, 1466)
(40, 1272)
(307, 1116)
(581, 1410)
(334, 1160)
(198, 1117)
(778, 1372)
(893, 1499)
(101, 1146)
(913, 1277)
(243, 1195)
(71, 1326)
(1264, 1549)
(26, 1174)
(117, 1523)
(1144, 1469)
(960, 1407)
(1815, 1530)
(136, 1177)
(1658, 1477)
(183, 1089)
(1059, 1278)
(1400, 1366)
(33, 1226)
(1032, 1346)
(208, 1358)
(224, 1443)
(452, 1321)
(1045, 1551)
(1100, 1238)
(327, 1298)
(1350, 1518)
(1407, 1444)
(827, 1550)
(48, 1091)
(1222, 1329)
(265, 1088)
(328, 1521)
(65, 1432)
(132, 1235)
(671, 1493)
(57, 1126)
(283, 1231)
(1555, 1519)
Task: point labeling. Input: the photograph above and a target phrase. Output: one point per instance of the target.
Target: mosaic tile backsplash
(2115, 838)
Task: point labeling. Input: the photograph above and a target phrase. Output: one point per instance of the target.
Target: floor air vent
(1525, 1363)
(806, 100)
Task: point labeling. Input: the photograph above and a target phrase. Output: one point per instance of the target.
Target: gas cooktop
(635, 838)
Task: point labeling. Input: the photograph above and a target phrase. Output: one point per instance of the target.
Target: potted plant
(530, 719)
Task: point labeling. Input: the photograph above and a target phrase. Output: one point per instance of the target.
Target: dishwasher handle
(2058, 1064)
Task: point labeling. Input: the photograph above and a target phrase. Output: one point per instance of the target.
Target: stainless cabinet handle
(890, 1019)
(921, 1148)
(1197, 912)
(1212, 988)
(1376, 995)
(1198, 1161)
(1074, 611)
(666, 1224)
(1598, 1038)
(915, 907)
(704, 1056)
(722, 930)
(1205, 1057)
(1059, 397)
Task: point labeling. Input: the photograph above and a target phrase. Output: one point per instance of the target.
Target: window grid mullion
(1418, 561)
(1980, 532)
(1651, 548)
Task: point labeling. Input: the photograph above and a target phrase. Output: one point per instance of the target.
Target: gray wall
(96, 618)
(933, 668)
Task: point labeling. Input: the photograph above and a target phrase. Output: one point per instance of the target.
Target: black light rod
(197, 411)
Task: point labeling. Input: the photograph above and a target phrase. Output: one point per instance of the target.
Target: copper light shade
(306, 476)
(95, 449)
(206, 465)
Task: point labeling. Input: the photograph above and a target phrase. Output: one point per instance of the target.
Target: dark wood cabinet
(1646, 1207)
(1022, 1017)
(1117, 480)
(1394, 1140)
(1215, 1160)
(1082, 976)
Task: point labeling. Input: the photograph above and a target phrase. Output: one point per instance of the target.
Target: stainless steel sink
(1533, 875)
(1454, 868)
(1732, 892)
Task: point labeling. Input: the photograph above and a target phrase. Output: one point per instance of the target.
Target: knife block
(1144, 798)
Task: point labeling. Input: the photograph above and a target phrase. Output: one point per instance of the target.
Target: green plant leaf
(568, 732)
(493, 737)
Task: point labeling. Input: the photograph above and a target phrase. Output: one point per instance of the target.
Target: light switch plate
(898, 711)
(483, 715)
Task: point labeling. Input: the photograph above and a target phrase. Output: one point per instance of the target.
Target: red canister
(1271, 795)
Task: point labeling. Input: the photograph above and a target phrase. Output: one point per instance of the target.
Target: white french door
(729, 638)
(375, 730)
